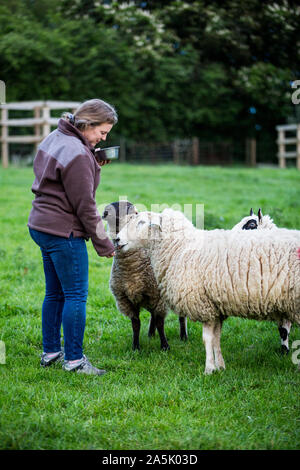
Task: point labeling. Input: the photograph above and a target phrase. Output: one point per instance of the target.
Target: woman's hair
(92, 113)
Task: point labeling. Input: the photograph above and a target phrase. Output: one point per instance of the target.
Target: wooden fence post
(176, 153)
(37, 127)
(4, 135)
(251, 152)
(195, 151)
(46, 123)
(281, 135)
(298, 146)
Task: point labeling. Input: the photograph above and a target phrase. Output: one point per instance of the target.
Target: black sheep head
(251, 224)
(115, 211)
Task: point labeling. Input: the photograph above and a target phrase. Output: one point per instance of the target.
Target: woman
(63, 216)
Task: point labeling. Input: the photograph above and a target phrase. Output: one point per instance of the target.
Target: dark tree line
(212, 69)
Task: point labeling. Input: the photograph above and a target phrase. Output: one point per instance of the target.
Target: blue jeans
(66, 273)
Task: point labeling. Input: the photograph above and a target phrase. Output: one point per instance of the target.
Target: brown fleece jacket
(66, 178)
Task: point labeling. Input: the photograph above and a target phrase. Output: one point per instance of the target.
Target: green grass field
(148, 399)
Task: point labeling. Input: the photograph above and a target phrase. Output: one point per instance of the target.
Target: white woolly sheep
(264, 222)
(132, 281)
(209, 275)
(253, 222)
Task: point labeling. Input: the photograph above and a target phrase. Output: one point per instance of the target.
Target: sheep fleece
(132, 282)
(254, 275)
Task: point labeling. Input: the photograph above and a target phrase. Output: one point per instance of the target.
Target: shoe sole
(80, 371)
(53, 361)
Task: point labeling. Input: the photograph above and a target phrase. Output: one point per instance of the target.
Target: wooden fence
(284, 141)
(41, 122)
(187, 151)
(191, 151)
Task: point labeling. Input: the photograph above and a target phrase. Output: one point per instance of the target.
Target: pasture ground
(148, 399)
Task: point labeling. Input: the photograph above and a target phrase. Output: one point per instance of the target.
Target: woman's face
(95, 134)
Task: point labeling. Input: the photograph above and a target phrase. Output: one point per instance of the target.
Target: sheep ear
(157, 224)
(259, 215)
(251, 211)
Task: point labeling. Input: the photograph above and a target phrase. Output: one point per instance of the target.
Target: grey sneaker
(84, 367)
(48, 360)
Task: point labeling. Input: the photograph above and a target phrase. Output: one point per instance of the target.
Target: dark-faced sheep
(132, 281)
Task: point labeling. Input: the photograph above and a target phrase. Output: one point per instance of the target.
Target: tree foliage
(173, 69)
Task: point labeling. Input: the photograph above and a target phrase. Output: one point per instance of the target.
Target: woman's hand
(111, 255)
(104, 162)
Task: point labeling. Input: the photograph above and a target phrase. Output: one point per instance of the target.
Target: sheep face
(251, 224)
(147, 227)
(116, 214)
(255, 222)
(139, 231)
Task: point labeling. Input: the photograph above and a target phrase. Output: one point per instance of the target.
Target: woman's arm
(78, 181)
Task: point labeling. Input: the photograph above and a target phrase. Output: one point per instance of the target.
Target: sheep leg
(209, 341)
(219, 361)
(284, 328)
(152, 326)
(133, 312)
(136, 326)
(183, 328)
(160, 324)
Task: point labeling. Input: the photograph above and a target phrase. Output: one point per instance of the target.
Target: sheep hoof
(165, 347)
(284, 350)
(183, 337)
(209, 371)
(220, 365)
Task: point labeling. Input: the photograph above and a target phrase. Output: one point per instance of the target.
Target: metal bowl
(109, 153)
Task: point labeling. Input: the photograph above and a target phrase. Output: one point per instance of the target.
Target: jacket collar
(66, 128)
